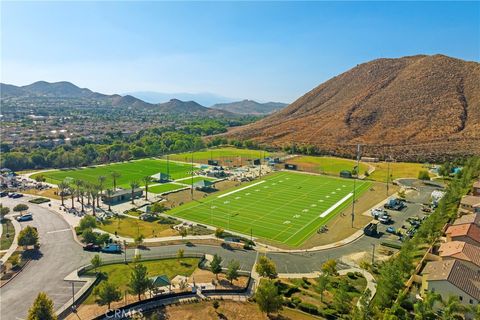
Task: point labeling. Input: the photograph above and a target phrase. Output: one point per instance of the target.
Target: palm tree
(146, 180)
(101, 182)
(453, 308)
(72, 195)
(62, 188)
(134, 185)
(94, 192)
(115, 176)
(78, 185)
(109, 193)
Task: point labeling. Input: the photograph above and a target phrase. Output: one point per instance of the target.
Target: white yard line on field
(234, 191)
(336, 205)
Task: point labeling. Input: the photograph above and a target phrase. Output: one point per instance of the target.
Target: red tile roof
(470, 230)
(461, 251)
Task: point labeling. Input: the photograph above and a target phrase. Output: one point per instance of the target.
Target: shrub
(296, 301)
(308, 308)
(39, 200)
(351, 275)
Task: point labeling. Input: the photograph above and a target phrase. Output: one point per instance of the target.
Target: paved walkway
(162, 239)
(14, 245)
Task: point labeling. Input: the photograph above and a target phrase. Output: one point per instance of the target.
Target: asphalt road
(60, 255)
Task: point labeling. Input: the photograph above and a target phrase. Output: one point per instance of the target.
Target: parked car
(391, 230)
(92, 247)
(3, 194)
(371, 229)
(395, 204)
(378, 212)
(112, 248)
(16, 195)
(25, 217)
(385, 219)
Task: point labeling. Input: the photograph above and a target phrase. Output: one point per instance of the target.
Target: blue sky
(273, 51)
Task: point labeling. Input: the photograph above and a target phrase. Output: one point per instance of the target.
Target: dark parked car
(25, 217)
(3, 194)
(17, 195)
(395, 204)
(92, 247)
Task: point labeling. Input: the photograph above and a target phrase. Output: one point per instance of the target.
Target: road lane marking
(63, 230)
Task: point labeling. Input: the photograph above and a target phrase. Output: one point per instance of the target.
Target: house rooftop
(455, 272)
(470, 230)
(470, 200)
(468, 219)
(462, 251)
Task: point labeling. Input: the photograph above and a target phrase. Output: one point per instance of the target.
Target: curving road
(60, 255)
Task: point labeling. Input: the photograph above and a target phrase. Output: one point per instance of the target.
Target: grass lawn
(164, 187)
(130, 171)
(224, 155)
(130, 227)
(119, 273)
(284, 207)
(397, 170)
(328, 165)
(5, 242)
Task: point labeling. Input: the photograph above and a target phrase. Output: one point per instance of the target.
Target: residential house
(470, 204)
(459, 250)
(452, 278)
(121, 195)
(468, 218)
(469, 233)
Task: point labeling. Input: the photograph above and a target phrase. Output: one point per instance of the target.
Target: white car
(378, 212)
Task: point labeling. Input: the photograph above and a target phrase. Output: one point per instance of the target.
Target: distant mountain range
(250, 107)
(204, 99)
(66, 90)
(413, 108)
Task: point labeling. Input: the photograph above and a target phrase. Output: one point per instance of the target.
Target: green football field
(224, 155)
(130, 171)
(285, 207)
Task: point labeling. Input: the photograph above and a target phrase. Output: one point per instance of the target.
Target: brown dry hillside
(416, 107)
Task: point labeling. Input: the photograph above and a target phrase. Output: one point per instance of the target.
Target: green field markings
(285, 208)
(219, 154)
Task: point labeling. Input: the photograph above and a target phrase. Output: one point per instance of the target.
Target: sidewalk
(14, 245)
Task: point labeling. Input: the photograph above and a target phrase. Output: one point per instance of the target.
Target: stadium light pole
(356, 168)
(168, 167)
(192, 176)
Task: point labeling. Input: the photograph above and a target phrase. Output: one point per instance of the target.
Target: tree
(180, 253)
(330, 267)
(363, 312)
(219, 232)
(42, 308)
(89, 236)
(453, 308)
(96, 262)
(146, 180)
(341, 298)
(424, 308)
(133, 185)
(107, 293)
(101, 184)
(138, 240)
(183, 232)
(322, 283)
(266, 267)
(28, 237)
(232, 270)
(158, 207)
(139, 281)
(20, 207)
(216, 265)
(268, 298)
(109, 194)
(62, 190)
(115, 175)
(87, 222)
(3, 211)
(423, 175)
(215, 305)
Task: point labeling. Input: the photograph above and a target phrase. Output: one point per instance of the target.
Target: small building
(204, 185)
(469, 233)
(121, 195)
(369, 159)
(160, 177)
(468, 219)
(470, 204)
(452, 278)
(459, 250)
(346, 174)
(161, 281)
(476, 189)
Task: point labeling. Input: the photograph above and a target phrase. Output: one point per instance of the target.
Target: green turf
(119, 273)
(221, 154)
(130, 171)
(283, 207)
(164, 187)
(195, 179)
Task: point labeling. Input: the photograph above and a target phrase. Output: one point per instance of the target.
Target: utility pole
(168, 167)
(357, 168)
(192, 176)
(125, 251)
(74, 308)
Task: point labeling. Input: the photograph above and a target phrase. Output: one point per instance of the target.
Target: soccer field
(130, 171)
(226, 156)
(284, 207)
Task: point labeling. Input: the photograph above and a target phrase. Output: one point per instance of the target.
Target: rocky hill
(413, 108)
(250, 107)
